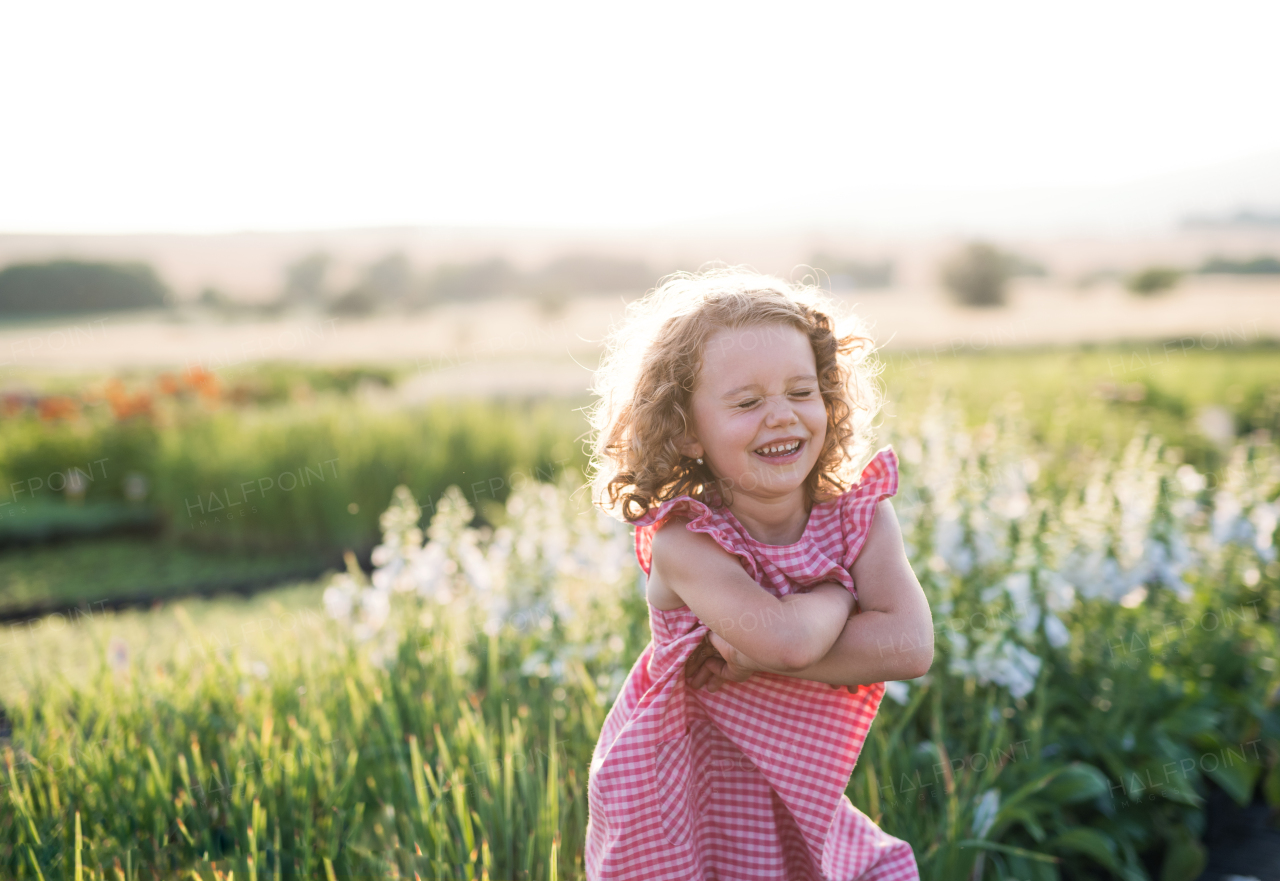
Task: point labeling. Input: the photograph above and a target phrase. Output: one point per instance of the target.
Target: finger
(713, 672)
(696, 658)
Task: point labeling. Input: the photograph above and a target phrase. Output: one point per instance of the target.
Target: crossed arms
(807, 635)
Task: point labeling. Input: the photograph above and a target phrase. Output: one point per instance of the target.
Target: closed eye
(747, 405)
(802, 393)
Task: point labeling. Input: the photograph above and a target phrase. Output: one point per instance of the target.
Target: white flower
(898, 691)
(984, 816)
(1055, 631)
(1192, 481)
(1134, 598)
(339, 597)
(1264, 517)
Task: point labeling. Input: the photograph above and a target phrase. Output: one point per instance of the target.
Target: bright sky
(128, 116)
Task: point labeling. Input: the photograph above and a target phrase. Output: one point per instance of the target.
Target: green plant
(977, 275)
(1153, 280)
(63, 286)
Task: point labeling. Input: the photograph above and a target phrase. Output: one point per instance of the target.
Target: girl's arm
(891, 637)
(788, 633)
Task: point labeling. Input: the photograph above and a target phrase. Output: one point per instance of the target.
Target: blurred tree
(63, 286)
(845, 275)
(593, 274)
(1153, 280)
(486, 278)
(305, 280)
(214, 299)
(357, 301)
(977, 275)
(387, 281)
(1022, 266)
(1256, 266)
(390, 279)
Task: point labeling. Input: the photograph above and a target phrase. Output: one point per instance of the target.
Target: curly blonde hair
(646, 380)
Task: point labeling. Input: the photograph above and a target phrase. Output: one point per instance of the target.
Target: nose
(780, 412)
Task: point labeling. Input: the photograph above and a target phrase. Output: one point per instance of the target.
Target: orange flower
(125, 405)
(168, 384)
(58, 407)
(203, 381)
(12, 405)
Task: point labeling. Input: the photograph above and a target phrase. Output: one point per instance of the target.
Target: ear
(689, 446)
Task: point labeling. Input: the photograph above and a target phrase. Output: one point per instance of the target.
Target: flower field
(1106, 654)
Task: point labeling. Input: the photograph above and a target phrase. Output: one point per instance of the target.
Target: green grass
(127, 568)
(259, 740)
(49, 520)
(1095, 397)
(287, 477)
(194, 461)
(258, 737)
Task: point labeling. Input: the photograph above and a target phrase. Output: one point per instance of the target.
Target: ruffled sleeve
(858, 506)
(702, 518)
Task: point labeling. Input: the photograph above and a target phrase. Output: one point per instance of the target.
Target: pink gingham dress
(747, 783)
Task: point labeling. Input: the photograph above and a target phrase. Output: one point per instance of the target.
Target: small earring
(699, 460)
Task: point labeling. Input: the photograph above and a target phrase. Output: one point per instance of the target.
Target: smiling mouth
(777, 451)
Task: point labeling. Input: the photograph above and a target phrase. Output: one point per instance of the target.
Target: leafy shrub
(1153, 280)
(845, 274)
(978, 275)
(1227, 266)
(63, 286)
(222, 480)
(355, 302)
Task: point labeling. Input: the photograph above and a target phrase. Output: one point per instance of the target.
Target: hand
(714, 662)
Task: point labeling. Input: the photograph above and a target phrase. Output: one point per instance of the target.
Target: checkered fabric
(747, 783)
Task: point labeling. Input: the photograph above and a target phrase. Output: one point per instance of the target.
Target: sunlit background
(284, 286)
(186, 118)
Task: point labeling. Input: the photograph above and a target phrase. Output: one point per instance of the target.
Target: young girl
(730, 415)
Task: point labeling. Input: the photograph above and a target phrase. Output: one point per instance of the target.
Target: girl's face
(758, 417)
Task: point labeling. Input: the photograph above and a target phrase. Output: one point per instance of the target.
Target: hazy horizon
(989, 116)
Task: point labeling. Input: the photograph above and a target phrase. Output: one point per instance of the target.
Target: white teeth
(779, 448)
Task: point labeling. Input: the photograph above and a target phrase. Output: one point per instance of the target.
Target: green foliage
(568, 275)
(845, 274)
(69, 286)
(187, 739)
(49, 519)
(291, 477)
(1022, 266)
(1262, 265)
(117, 569)
(1100, 771)
(258, 742)
(485, 278)
(355, 302)
(977, 275)
(1153, 280)
(306, 280)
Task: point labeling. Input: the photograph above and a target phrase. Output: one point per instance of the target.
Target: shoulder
(686, 525)
(883, 536)
(879, 478)
(675, 543)
(690, 540)
(866, 508)
(683, 507)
